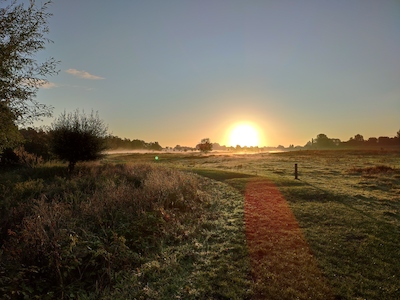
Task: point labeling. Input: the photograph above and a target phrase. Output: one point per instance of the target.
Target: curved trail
(283, 266)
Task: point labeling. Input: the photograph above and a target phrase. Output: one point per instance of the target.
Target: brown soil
(283, 266)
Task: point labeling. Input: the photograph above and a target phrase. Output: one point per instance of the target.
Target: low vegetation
(347, 204)
(116, 231)
(372, 170)
(121, 232)
(348, 207)
(132, 227)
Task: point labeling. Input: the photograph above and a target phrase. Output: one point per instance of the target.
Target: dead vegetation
(380, 169)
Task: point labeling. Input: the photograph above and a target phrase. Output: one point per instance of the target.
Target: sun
(244, 134)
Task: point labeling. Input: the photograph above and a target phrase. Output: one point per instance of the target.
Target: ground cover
(347, 205)
(283, 265)
(111, 231)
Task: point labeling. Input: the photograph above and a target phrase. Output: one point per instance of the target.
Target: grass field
(183, 236)
(346, 202)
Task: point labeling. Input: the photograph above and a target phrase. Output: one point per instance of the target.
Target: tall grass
(117, 231)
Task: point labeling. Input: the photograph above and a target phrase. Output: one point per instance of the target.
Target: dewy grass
(372, 170)
(283, 265)
(124, 232)
(146, 231)
(209, 263)
(355, 243)
(351, 220)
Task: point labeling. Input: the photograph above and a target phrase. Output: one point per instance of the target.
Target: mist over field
(199, 150)
(127, 151)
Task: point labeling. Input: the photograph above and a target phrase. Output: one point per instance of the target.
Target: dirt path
(283, 266)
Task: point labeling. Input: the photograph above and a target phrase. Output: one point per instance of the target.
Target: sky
(179, 71)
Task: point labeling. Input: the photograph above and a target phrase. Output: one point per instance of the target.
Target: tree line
(323, 142)
(66, 138)
(115, 142)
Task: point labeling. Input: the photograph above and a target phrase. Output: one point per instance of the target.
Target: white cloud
(47, 85)
(38, 83)
(83, 74)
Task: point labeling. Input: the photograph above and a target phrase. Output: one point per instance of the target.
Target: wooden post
(295, 171)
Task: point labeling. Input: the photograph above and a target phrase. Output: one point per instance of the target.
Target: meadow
(133, 227)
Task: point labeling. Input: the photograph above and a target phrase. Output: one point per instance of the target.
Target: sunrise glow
(244, 134)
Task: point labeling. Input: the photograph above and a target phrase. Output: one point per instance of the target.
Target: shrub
(78, 137)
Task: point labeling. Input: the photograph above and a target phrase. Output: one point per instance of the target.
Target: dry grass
(372, 170)
(349, 219)
(347, 204)
(107, 230)
(283, 264)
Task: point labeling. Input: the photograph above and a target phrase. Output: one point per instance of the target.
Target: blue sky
(179, 71)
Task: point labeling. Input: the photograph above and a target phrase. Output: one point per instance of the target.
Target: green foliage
(9, 135)
(23, 30)
(78, 137)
